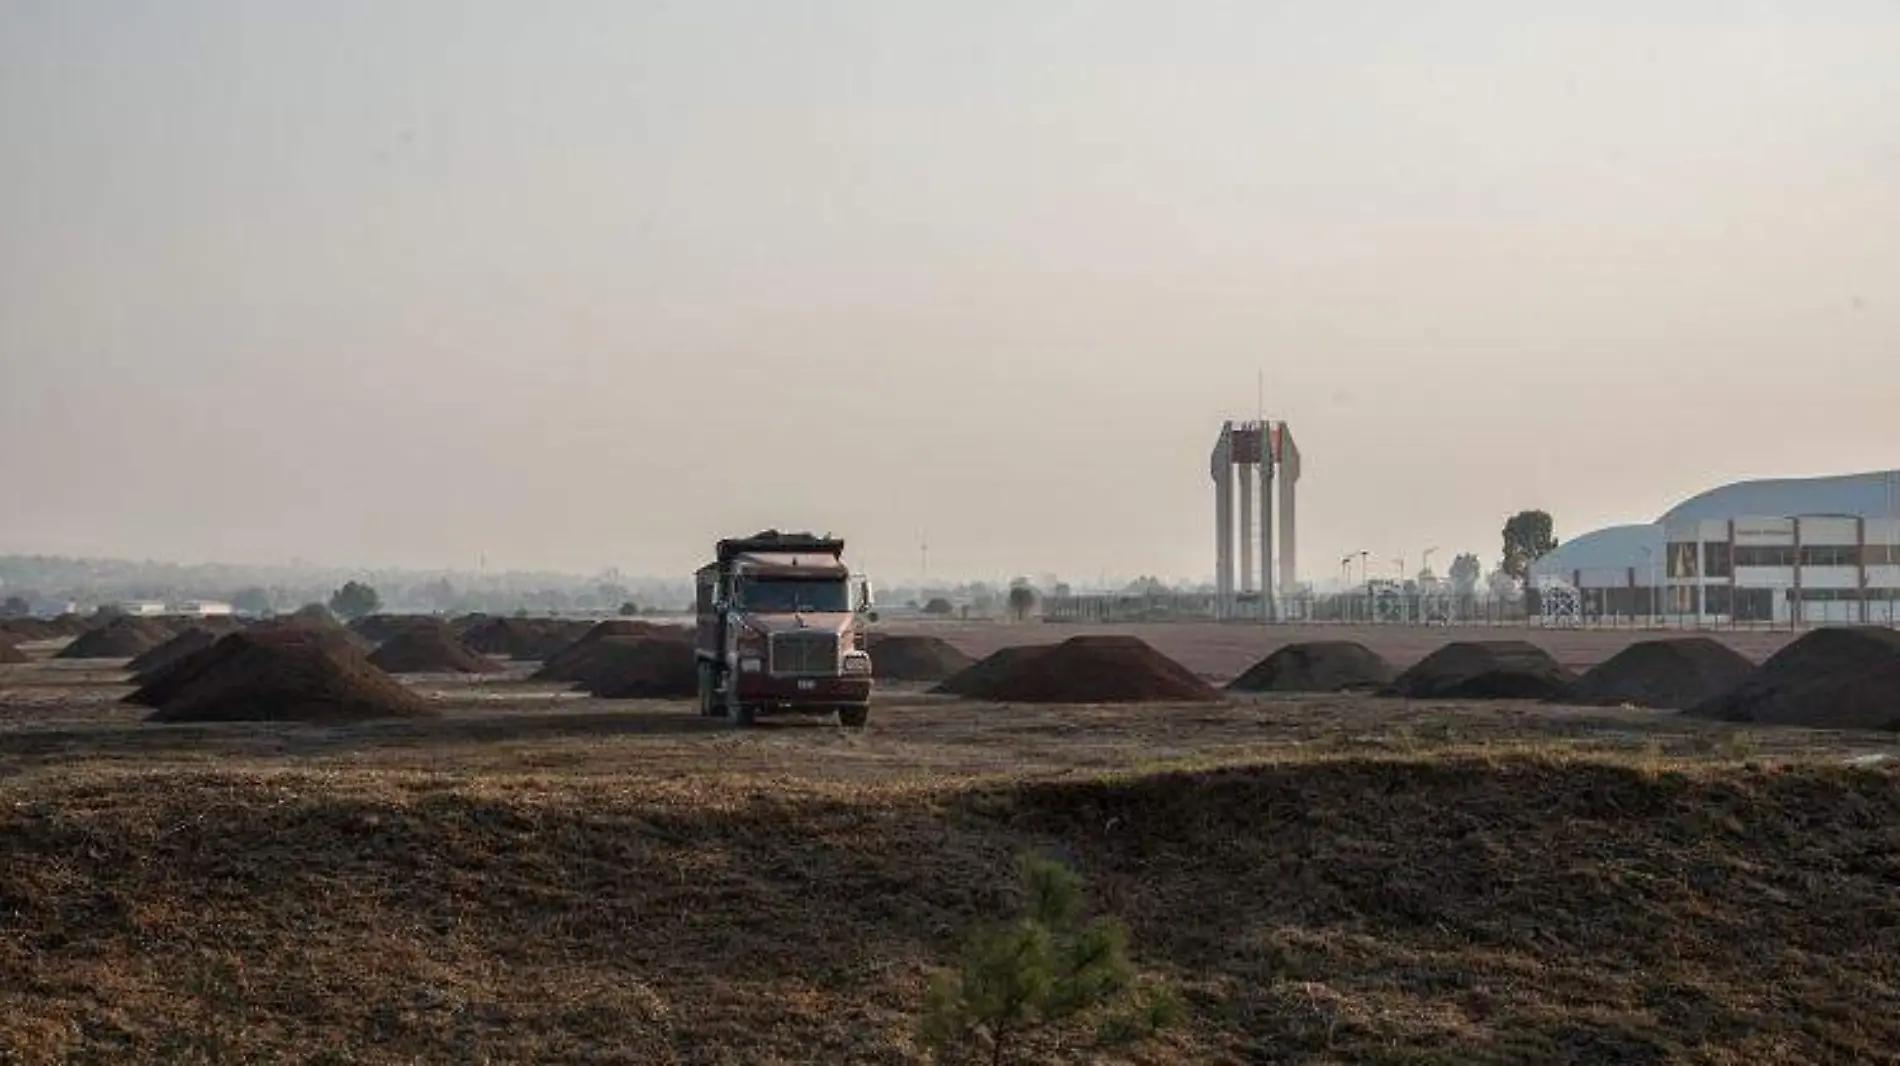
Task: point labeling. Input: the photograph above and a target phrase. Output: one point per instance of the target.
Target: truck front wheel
(854, 717)
(708, 690)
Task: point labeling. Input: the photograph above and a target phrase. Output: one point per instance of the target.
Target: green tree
(1045, 970)
(1528, 537)
(629, 609)
(1022, 600)
(15, 607)
(938, 605)
(1466, 572)
(354, 600)
(251, 601)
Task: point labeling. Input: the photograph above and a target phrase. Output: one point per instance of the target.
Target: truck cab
(781, 630)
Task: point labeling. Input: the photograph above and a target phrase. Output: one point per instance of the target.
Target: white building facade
(1809, 570)
(1784, 550)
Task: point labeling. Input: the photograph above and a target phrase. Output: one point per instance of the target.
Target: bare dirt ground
(536, 877)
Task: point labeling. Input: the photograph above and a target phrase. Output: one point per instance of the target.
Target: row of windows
(1719, 559)
(1844, 595)
(1757, 605)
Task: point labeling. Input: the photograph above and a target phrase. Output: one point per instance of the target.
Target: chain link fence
(1619, 608)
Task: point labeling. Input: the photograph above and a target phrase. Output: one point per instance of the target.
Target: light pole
(1655, 588)
(1365, 577)
(1426, 566)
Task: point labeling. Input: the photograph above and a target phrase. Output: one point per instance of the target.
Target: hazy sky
(586, 283)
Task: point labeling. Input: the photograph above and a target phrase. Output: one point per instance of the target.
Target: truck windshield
(784, 596)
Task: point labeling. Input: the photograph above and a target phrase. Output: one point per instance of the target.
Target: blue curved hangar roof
(1870, 495)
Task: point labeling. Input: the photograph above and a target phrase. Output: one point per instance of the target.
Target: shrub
(1047, 969)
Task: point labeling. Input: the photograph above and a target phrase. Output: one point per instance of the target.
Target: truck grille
(806, 653)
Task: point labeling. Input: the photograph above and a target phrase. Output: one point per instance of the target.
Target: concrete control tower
(1245, 452)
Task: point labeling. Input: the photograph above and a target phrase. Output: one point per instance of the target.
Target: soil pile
(1839, 678)
(28, 630)
(166, 680)
(121, 638)
(11, 654)
(377, 628)
(287, 676)
(191, 640)
(314, 619)
(1317, 666)
(915, 658)
(430, 651)
(523, 638)
(1099, 670)
(642, 668)
(1485, 670)
(577, 660)
(977, 681)
(1665, 674)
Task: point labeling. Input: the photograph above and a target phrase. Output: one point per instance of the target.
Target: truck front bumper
(791, 693)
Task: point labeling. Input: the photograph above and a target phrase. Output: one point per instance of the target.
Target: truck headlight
(751, 665)
(857, 663)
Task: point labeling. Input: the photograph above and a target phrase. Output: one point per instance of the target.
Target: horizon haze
(411, 284)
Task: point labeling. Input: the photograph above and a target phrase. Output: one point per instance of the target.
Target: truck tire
(739, 715)
(854, 717)
(708, 690)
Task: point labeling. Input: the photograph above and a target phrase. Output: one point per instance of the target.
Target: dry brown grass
(538, 879)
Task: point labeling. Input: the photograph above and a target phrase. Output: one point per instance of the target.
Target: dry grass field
(538, 878)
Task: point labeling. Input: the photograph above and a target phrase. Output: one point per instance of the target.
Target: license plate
(807, 685)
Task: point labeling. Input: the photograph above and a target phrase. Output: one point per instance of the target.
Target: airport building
(1788, 551)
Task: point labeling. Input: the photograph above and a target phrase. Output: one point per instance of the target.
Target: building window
(1762, 555)
(1716, 559)
(1684, 599)
(1829, 595)
(1829, 555)
(1684, 559)
(1880, 554)
(1754, 605)
(1715, 599)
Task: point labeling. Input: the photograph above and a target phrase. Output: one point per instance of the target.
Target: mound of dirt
(377, 628)
(641, 668)
(430, 651)
(11, 654)
(574, 662)
(523, 638)
(287, 676)
(314, 619)
(1665, 674)
(178, 647)
(975, 682)
(1845, 677)
(29, 630)
(1317, 666)
(915, 658)
(121, 638)
(160, 683)
(1105, 669)
(1485, 670)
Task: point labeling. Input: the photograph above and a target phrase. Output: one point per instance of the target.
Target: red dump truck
(781, 630)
